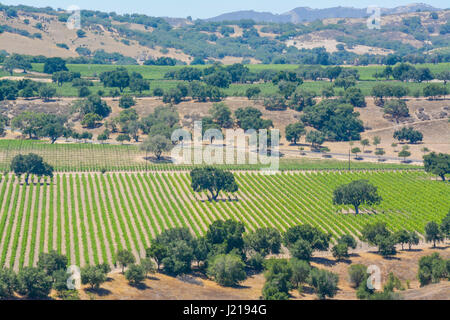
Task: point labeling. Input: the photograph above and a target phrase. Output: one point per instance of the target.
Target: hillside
(132, 39)
(306, 14)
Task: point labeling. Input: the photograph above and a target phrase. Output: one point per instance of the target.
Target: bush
(126, 102)
(83, 92)
(357, 274)
(324, 283)
(135, 274)
(227, 269)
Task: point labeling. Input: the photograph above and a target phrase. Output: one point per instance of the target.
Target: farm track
(89, 216)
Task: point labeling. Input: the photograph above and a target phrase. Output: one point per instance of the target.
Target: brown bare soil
(163, 287)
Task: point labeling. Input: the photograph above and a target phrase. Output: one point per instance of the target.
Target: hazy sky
(211, 8)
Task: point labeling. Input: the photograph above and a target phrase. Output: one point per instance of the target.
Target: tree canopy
(30, 164)
(356, 193)
(438, 164)
(213, 180)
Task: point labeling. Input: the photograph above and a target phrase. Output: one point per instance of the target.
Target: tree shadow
(391, 258)
(220, 200)
(140, 286)
(238, 286)
(346, 261)
(100, 291)
(324, 261)
(412, 250)
(440, 247)
(162, 160)
(306, 289)
(192, 279)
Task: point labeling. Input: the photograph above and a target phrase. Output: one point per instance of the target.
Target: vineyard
(89, 216)
(88, 157)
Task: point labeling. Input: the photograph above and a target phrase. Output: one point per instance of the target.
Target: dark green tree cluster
(434, 90)
(337, 121)
(303, 240)
(407, 72)
(438, 164)
(408, 134)
(283, 275)
(250, 118)
(432, 269)
(53, 65)
(377, 234)
(356, 193)
(41, 125)
(61, 77)
(120, 78)
(382, 91)
(36, 282)
(213, 180)
(30, 164)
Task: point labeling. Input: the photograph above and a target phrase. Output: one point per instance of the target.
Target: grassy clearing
(134, 207)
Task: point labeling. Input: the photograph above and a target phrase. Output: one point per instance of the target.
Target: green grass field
(90, 216)
(158, 72)
(155, 74)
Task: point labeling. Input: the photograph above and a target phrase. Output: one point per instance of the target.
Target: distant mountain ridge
(306, 14)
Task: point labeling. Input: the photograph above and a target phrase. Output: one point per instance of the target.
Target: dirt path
(399, 125)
